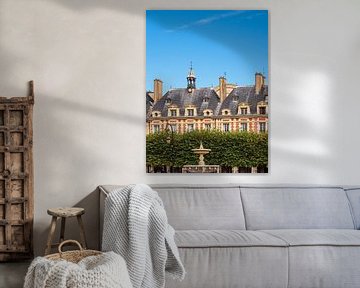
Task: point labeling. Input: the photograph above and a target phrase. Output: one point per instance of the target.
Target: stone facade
(227, 107)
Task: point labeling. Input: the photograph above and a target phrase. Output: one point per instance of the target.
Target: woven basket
(72, 256)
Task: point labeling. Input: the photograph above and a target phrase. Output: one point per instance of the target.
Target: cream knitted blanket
(103, 271)
(136, 227)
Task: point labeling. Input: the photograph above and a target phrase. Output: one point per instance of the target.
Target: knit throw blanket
(103, 271)
(136, 227)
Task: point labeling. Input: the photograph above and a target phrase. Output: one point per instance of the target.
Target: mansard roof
(244, 95)
(149, 103)
(181, 98)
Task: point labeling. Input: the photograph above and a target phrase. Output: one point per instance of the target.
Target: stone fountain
(201, 167)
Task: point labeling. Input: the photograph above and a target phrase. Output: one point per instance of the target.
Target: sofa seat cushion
(317, 237)
(225, 238)
(233, 267)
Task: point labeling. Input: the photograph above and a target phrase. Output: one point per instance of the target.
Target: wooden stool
(64, 213)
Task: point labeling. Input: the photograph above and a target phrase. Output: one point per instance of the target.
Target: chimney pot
(259, 82)
(158, 86)
(222, 88)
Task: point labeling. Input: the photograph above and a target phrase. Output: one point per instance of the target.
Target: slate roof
(244, 95)
(149, 103)
(181, 98)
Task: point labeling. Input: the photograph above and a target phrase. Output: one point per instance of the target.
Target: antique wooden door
(16, 177)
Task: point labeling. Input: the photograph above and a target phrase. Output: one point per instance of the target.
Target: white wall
(87, 59)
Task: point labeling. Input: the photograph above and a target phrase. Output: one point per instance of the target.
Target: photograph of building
(227, 107)
(182, 123)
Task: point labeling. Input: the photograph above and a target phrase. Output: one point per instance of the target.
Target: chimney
(222, 88)
(157, 89)
(259, 82)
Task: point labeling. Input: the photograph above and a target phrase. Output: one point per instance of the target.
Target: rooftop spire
(191, 79)
(191, 71)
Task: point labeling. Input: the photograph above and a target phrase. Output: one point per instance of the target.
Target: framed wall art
(207, 96)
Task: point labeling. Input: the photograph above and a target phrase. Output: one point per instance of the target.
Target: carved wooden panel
(16, 177)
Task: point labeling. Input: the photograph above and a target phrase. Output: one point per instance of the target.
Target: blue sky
(234, 42)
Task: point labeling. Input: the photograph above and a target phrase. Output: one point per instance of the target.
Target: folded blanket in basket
(136, 227)
(107, 270)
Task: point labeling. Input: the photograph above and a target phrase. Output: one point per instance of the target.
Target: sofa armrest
(103, 195)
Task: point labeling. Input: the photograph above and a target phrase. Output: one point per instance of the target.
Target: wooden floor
(12, 274)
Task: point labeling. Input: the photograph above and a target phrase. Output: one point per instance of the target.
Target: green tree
(234, 149)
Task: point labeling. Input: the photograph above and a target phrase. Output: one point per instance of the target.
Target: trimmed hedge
(232, 149)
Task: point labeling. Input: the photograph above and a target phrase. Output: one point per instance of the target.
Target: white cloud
(208, 20)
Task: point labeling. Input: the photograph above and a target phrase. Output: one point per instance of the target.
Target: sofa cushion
(322, 258)
(201, 207)
(296, 208)
(223, 267)
(191, 207)
(226, 238)
(354, 198)
(324, 266)
(315, 237)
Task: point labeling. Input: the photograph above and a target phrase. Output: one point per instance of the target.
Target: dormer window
(225, 112)
(262, 110)
(168, 101)
(173, 112)
(244, 108)
(207, 112)
(206, 99)
(236, 98)
(190, 111)
(156, 114)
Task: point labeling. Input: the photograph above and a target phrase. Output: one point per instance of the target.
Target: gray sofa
(264, 236)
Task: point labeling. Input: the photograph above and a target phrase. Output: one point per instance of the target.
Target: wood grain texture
(66, 211)
(63, 213)
(16, 177)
